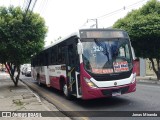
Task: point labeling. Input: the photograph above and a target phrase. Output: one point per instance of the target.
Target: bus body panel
(55, 73)
(34, 73)
(55, 82)
(42, 74)
(47, 76)
(106, 88)
(120, 82)
(92, 93)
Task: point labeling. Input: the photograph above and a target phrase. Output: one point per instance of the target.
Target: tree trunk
(11, 72)
(158, 68)
(156, 71)
(17, 77)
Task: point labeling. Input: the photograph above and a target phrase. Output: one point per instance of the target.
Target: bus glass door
(71, 69)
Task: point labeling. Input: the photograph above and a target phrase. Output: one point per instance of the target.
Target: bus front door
(73, 81)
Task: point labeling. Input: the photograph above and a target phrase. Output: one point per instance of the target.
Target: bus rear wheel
(39, 83)
(38, 80)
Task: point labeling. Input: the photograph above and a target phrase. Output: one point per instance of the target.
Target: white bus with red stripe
(92, 63)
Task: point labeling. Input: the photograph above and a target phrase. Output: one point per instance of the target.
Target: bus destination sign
(102, 34)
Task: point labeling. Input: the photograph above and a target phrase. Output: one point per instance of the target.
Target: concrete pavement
(21, 98)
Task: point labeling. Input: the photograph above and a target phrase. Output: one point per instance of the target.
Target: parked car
(28, 72)
(25, 68)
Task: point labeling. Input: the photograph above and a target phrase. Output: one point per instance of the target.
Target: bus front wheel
(65, 92)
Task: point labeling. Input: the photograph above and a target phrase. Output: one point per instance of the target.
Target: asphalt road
(146, 98)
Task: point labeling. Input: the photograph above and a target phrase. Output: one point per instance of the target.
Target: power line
(115, 12)
(96, 22)
(44, 6)
(34, 4)
(28, 6)
(25, 4)
(136, 3)
(109, 13)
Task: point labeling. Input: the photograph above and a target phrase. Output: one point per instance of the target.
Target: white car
(26, 69)
(28, 72)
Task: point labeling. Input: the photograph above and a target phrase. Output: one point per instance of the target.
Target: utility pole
(95, 20)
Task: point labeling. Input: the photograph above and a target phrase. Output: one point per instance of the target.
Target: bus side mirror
(80, 48)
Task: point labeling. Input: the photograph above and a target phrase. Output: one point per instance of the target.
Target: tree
(143, 26)
(21, 35)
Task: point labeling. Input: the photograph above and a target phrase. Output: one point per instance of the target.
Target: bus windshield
(106, 56)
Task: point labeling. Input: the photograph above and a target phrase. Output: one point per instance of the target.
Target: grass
(18, 102)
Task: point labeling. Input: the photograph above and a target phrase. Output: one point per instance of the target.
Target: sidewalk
(21, 98)
(148, 79)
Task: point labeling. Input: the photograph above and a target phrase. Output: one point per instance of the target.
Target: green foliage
(21, 35)
(143, 26)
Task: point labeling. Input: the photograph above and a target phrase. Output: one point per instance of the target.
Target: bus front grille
(109, 92)
(111, 77)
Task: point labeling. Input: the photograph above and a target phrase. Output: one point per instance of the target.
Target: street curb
(35, 94)
(41, 98)
(148, 79)
(48, 102)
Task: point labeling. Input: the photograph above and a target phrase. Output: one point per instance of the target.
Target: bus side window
(49, 57)
(61, 54)
(71, 54)
(53, 56)
(45, 59)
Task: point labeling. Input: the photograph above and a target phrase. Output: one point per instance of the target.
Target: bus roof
(63, 39)
(78, 34)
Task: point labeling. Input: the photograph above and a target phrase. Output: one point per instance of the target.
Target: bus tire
(38, 80)
(66, 93)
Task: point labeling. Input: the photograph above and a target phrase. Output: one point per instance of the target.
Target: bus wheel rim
(65, 91)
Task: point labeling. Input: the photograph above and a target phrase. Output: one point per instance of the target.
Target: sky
(63, 17)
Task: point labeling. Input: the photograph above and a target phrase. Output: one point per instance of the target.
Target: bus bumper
(93, 93)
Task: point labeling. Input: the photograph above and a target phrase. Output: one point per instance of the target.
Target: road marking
(65, 106)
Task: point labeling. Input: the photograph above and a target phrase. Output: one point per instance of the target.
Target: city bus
(89, 64)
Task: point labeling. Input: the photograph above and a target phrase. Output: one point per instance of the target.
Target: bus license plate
(116, 93)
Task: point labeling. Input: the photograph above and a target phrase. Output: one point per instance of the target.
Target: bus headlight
(90, 83)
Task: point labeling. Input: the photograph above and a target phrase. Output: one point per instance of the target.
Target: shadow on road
(93, 104)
